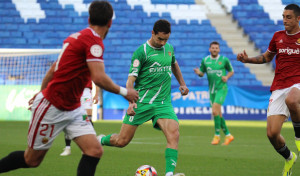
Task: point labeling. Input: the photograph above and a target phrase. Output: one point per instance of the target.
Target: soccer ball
(146, 170)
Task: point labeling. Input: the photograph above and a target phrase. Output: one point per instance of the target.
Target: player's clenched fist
(184, 90)
(243, 57)
(132, 95)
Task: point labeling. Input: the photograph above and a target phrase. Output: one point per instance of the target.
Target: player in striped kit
(57, 107)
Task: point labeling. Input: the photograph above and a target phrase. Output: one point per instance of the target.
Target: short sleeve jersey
(71, 73)
(152, 67)
(215, 69)
(287, 49)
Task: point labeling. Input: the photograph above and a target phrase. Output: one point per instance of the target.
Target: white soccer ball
(146, 170)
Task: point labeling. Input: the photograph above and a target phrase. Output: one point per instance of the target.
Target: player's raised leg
(119, 140)
(22, 159)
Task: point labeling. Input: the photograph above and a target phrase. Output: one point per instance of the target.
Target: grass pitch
(249, 154)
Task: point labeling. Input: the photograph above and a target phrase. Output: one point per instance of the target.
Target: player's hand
(224, 79)
(96, 99)
(242, 57)
(197, 71)
(132, 95)
(30, 102)
(130, 110)
(184, 90)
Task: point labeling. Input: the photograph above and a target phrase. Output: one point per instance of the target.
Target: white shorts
(277, 104)
(47, 122)
(87, 99)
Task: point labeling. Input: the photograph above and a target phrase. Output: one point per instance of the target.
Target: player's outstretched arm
(178, 75)
(261, 59)
(100, 78)
(198, 72)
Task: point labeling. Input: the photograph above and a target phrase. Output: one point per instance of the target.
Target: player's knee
(95, 152)
(272, 134)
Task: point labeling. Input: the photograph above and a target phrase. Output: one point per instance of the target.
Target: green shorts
(145, 112)
(219, 96)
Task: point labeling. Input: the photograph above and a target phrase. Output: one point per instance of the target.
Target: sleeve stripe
(92, 60)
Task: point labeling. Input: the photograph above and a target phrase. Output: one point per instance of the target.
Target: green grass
(250, 154)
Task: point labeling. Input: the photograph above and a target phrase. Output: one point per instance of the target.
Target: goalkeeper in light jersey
(151, 69)
(215, 66)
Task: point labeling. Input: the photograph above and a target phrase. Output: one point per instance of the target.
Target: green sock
(224, 126)
(171, 159)
(217, 124)
(106, 140)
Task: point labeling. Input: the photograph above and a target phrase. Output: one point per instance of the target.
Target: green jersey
(152, 68)
(215, 69)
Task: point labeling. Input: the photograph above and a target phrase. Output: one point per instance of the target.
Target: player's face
(290, 21)
(160, 39)
(214, 50)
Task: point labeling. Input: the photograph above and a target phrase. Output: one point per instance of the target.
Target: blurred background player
(87, 100)
(151, 68)
(285, 98)
(215, 66)
(57, 107)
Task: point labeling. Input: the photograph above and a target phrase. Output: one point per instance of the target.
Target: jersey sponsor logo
(96, 50)
(289, 51)
(217, 72)
(136, 63)
(155, 63)
(280, 41)
(156, 68)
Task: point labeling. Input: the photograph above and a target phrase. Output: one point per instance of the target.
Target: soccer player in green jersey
(215, 66)
(151, 69)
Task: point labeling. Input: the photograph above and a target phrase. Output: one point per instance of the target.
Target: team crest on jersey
(220, 63)
(170, 54)
(136, 63)
(96, 50)
(298, 41)
(45, 140)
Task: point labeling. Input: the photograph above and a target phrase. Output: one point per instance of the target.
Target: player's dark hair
(293, 7)
(162, 26)
(214, 43)
(101, 12)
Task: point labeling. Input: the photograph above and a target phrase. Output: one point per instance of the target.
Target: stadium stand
(260, 19)
(46, 23)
